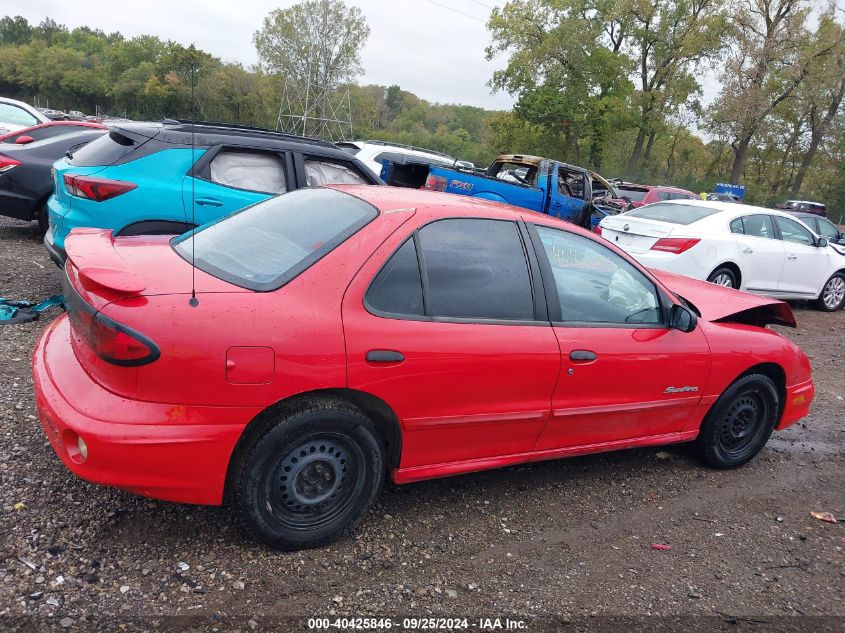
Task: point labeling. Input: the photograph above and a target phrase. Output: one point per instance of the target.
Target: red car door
(445, 326)
(624, 373)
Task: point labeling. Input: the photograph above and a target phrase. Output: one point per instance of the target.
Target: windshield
(266, 245)
(672, 213)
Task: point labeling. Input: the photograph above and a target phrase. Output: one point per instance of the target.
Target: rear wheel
(832, 297)
(740, 422)
(311, 477)
(725, 277)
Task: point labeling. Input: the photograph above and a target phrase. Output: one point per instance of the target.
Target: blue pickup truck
(539, 184)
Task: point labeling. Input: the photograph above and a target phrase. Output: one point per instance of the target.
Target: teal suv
(169, 177)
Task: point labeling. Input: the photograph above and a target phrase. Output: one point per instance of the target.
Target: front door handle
(792, 257)
(384, 356)
(209, 202)
(582, 356)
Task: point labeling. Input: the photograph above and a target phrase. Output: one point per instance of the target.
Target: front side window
(828, 229)
(266, 245)
(595, 285)
(791, 231)
(255, 171)
(318, 173)
(758, 226)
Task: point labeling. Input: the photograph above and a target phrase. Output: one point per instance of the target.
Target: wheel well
(777, 375)
(733, 267)
(376, 409)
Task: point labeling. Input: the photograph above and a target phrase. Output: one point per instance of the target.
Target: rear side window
(256, 171)
(673, 213)
(476, 268)
(736, 226)
(318, 173)
(266, 245)
(105, 151)
(758, 226)
(397, 289)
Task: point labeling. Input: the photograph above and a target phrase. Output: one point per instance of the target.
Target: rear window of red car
(266, 245)
(635, 194)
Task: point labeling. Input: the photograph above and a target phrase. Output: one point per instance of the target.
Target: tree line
(615, 85)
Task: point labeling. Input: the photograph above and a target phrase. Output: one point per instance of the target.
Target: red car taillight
(435, 183)
(597, 229)
(96, 189)
(114, 342)
(675, 245)
(7, 164)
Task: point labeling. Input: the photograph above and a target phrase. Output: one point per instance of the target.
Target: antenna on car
(193, 302)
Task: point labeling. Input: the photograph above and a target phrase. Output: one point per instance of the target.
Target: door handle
(792, 257)
(384, 356)
(748, 251)
(209, 202)
(582, 356)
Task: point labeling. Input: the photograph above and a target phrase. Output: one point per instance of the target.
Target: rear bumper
(164, 451)
(797, 405)
(56, 253)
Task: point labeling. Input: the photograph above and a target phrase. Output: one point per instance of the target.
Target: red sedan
(341, 335)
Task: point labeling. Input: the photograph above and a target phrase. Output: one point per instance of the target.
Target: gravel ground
(562, 545)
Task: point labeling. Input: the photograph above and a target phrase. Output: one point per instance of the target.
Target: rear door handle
(209, 202)
(582, 356)
(384, 356)
(792, 257)
(748, 251)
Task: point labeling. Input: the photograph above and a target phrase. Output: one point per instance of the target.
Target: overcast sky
(433, 48)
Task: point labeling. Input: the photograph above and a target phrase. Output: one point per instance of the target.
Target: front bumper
(797, 403)
(165, 451)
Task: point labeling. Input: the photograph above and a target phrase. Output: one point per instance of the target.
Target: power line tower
(318, 111)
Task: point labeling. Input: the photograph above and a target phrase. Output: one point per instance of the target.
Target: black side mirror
(682, 318)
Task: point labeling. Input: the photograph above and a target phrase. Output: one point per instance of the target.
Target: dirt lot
(562, 545)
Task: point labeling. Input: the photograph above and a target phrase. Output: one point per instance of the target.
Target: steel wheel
(739, 423)
(315, 482)
(743, 423)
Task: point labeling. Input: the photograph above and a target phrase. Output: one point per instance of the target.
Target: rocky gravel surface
(564, 545)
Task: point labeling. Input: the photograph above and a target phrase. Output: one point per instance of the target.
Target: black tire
(43, 218)
(724, 276)
(740, 423)
(832, 296)
(310, 477)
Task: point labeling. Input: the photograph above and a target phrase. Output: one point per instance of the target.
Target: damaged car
(289, 358)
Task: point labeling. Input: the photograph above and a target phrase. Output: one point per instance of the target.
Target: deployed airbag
(249, 170)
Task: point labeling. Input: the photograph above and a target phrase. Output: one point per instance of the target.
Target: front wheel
(724, 277)
(311, 477)
(832, 297)
(740, 422)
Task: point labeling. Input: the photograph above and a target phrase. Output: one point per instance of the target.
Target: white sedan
(758, 250)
